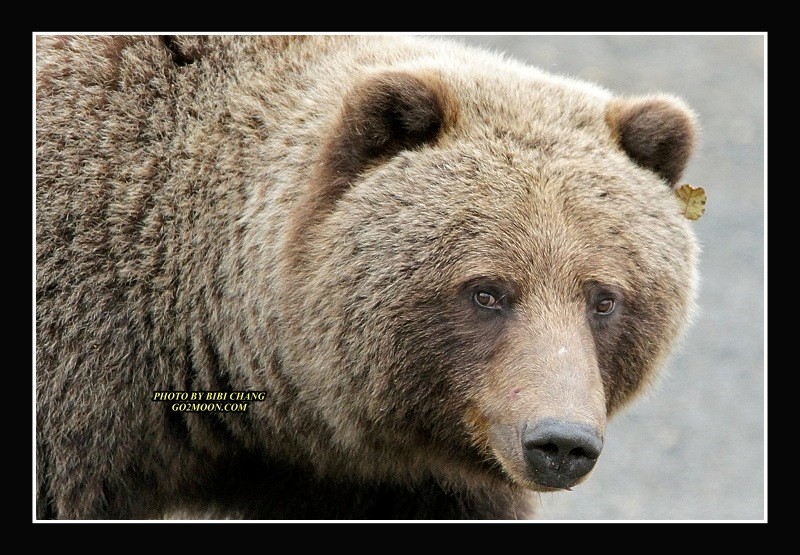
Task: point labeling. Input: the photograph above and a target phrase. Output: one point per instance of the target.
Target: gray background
(694, 448)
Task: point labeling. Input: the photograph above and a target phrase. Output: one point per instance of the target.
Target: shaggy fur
(312, 217)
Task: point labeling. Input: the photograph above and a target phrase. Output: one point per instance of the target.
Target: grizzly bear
(427, 274)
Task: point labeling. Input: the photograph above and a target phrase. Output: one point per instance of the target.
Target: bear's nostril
(559, 454)
(547, 448)
(578, 452)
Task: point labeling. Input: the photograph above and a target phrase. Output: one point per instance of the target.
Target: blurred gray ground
(694, 448)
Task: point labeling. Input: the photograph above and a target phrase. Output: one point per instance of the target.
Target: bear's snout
(558, 454)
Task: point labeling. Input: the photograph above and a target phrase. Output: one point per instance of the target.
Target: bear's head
(489, 265)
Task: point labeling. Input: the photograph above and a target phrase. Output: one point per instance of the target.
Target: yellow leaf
(693, 201)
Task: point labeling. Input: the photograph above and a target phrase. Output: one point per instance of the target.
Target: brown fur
(178, 181)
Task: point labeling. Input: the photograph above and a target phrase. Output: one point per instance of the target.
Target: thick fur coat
(411, 246)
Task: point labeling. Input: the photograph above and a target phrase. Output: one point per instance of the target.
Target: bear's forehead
(524, 214)
(502, 174)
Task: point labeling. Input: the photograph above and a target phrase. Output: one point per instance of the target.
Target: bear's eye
(605, 307)
(486, 300)
(604, 303)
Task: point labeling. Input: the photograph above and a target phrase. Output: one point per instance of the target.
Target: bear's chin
(527, 483)
(497, 473)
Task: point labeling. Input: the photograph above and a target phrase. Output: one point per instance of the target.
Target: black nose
(560, 453)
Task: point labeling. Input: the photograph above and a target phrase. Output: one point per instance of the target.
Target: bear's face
(498, 278)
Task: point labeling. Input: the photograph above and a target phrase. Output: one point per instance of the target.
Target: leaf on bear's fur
(693, 201)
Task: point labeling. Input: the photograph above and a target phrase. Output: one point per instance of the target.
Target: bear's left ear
(657, 132)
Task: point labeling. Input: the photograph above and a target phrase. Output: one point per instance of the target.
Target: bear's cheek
(545, 379)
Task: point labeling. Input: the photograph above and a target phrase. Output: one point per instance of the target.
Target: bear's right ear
(656, 132)
(383, 115)
(387, 113)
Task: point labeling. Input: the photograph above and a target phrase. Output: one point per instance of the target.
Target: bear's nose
(559, 453)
